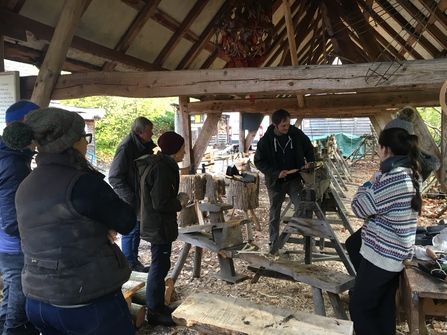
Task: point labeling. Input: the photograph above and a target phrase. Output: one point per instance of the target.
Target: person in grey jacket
(125, 181)
(280, 153)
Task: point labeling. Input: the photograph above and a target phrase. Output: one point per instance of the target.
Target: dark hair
(139, 123)
(400, 142)
(79, 162)
(279, 116)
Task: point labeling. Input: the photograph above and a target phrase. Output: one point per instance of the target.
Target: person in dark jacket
(280, 153)
(15, 165)
(160, 202)
(68, 219)
(124, 179)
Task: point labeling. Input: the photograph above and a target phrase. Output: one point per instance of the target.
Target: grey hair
(139, 123)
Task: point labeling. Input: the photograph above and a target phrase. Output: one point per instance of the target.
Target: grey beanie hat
(53, 129)
(404, 120)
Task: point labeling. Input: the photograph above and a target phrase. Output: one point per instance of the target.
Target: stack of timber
(218, 315)
(137, 310)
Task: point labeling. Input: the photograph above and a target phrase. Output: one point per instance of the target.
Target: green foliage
(119, 114)
(432, 118)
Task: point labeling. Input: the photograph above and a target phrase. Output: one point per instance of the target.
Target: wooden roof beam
(181, 31)
(54, 59)
(436, 11)
(134, 29)
(331, 102)
(341, 33)
(412, 75)
(390, 31)
(431, 28)
(204, 38)
(44, 33)
(363, 29)
(425, 43)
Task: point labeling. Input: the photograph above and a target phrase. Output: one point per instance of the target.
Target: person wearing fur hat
(15, 165)
(68, 218)
(160, 202)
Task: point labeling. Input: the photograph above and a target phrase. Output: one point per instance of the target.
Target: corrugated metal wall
(355, 126)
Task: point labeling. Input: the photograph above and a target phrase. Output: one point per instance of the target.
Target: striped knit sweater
(389, 230)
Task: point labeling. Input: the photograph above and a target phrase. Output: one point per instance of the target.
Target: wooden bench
(318, 277)
(218, 315)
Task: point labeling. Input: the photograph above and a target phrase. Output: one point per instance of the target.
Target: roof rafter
(132, 32)
(181, 31)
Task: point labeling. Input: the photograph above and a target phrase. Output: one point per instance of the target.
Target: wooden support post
(185, 129)
(57, 52)
(180, 262)
(208, 129)
(2, 54)
(197, 262)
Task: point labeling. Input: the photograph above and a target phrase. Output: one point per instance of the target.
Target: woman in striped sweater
(390, 204)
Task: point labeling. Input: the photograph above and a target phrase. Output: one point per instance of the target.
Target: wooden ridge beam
(309, 79)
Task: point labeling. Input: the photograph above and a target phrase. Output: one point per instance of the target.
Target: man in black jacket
(125, 181)
(280, 153)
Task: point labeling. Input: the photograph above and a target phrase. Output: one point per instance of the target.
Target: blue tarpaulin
(347, 143)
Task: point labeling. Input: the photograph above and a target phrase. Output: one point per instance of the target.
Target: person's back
(68, 218)
(14, 167)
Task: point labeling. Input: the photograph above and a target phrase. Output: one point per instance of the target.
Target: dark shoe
(140, 267)
(169, 309)
(154, 318)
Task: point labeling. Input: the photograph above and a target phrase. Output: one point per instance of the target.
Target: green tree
(119, 114)
(432, 118)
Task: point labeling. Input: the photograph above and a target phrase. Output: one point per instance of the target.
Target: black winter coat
(160, 178)
(265, 158)
(123, 175)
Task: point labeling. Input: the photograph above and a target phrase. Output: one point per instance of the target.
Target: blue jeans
(108, 316)
(13, 319)
(130, 244)
(160, 265)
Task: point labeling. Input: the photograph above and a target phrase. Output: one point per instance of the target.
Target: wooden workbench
(421, 295)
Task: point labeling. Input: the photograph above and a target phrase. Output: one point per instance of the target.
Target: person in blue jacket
(15, 165)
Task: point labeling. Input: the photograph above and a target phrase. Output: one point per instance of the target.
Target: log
(187, 216)
(242, 195)
(215, 187)
(139, 296)
(138, 314)
(194, 185)
(130, 288)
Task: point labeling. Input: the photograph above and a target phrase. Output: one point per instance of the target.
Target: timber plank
(314, 275)
(213, 314)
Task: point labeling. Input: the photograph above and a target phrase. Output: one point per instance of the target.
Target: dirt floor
(270, 291)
